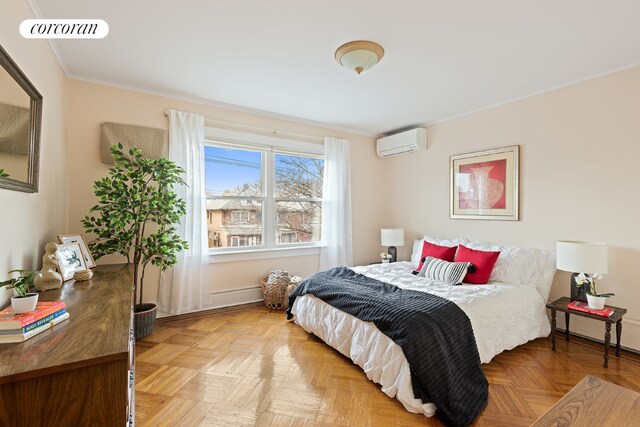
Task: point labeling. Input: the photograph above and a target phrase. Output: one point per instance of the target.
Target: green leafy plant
(22, 284)
(3, 174)
(136, 213)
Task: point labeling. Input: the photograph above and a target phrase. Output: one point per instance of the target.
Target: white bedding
(502, 316)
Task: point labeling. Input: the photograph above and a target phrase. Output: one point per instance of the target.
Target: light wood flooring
(248, 366)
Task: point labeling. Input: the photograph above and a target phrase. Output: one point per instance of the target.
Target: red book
(10, 320)
(584, 307)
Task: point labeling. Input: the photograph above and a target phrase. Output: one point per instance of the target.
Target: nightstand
(616, 317)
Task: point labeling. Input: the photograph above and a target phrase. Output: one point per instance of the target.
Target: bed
(507, 312)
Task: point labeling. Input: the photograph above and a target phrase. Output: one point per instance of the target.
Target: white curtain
(181, 286)
(336, 205)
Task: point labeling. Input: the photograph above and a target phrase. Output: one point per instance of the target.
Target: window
(286, 237)
(239, 217)
(262, 198)
(244, 241)
(298, 197)
(234, 189)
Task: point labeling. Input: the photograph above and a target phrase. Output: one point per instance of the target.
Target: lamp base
(578, 292)
(393, 251)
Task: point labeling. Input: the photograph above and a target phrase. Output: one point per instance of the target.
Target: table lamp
(392, 237)
(581, 257)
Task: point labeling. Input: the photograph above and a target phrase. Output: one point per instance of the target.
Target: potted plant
(385, 257)
(135, 217)
(25, 300)
(594, 299)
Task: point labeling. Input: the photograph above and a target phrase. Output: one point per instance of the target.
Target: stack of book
(584, 307)
(21, 327)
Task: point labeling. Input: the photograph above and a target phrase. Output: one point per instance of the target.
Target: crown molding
(531, 95)
(226, 106)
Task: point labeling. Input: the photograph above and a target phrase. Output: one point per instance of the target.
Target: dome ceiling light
(359, 55)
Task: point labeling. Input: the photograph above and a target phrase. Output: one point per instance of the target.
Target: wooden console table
(594, 402)
(79, 372)
(562, 305)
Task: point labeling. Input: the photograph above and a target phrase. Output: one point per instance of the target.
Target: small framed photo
(86, 253)
(484, 184)
(70, 260)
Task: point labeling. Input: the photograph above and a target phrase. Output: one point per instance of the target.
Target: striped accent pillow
(442, 271)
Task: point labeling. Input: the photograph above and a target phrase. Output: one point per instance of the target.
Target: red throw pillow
(483, 261)
(441, 252)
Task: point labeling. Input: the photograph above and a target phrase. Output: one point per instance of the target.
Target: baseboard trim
(225, 298)
(207, 312)
(594, 342)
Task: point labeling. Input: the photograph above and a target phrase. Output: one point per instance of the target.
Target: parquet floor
(250, 367)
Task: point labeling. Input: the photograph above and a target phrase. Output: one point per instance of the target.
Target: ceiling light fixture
(359, 55)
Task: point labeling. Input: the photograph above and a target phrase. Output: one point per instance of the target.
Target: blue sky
(227, 168)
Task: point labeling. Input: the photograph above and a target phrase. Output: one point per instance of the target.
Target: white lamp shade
(392, 237)
(581, 257)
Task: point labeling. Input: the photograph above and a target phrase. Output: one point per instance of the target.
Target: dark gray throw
(434, 334)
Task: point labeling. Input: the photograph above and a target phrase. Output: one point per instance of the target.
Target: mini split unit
(402, 143)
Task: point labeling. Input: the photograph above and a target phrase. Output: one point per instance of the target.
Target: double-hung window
(262, 197)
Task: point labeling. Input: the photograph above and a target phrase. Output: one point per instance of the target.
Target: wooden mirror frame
(35, 123)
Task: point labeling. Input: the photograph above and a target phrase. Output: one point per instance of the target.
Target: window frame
(269, 147)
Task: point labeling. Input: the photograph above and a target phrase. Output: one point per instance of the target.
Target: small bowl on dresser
(82, 275)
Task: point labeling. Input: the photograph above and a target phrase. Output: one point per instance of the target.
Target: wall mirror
(20, 121)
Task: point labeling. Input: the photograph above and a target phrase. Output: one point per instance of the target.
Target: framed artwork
(70, 260)
(484, 185)
(86, 253)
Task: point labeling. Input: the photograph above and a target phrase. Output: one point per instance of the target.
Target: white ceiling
(442, 58)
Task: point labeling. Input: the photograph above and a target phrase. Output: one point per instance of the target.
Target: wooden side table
(616, 317)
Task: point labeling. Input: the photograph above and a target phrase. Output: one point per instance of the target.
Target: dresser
(79, 372)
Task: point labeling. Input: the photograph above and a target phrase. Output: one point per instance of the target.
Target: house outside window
(260, 198)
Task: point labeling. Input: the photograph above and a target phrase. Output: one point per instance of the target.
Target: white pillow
(515, 264)
(440, 270)
(417, 246)
(543, 285)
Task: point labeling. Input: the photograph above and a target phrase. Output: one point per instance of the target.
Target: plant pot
(385, 261)
(143, 318)
(596, 303)
(24, 304)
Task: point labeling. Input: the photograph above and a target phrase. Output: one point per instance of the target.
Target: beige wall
(29, 221)
(580, 148)
(91, 104)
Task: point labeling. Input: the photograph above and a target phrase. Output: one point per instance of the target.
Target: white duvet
(502, 315)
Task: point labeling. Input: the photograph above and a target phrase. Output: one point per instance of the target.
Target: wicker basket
(277, 296)
(82, 275)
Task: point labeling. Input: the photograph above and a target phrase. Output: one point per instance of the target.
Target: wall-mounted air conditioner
(401, 143)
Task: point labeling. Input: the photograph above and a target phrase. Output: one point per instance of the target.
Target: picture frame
(485, 184)
(70, 259)
(77, 238)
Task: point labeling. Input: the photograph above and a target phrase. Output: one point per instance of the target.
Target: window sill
(252, 254)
